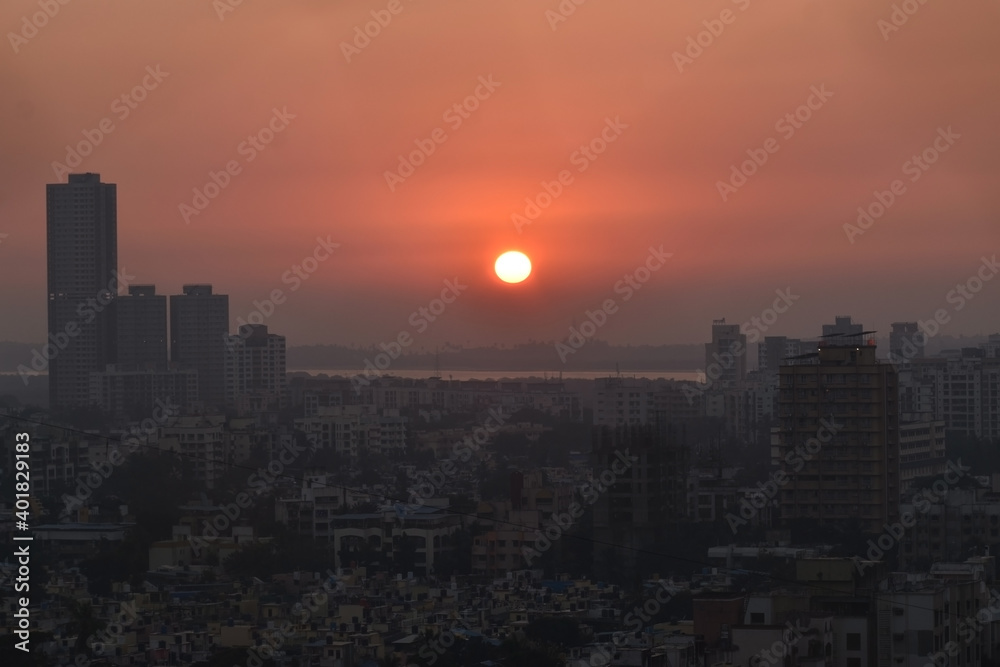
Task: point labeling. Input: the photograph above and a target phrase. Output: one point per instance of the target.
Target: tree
(227, 657)
(564, 632)
(11, 655)
(523, 652)
(457, 559)
(83, 622)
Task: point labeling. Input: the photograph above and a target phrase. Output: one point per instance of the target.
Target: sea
(493, 375)
(500, 375)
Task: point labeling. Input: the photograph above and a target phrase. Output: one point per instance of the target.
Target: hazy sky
(609, 65)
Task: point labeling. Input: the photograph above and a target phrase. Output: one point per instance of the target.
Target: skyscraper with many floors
(83, 282)
(142, 329)
(726, 356)
(837, 439)
(199, 330)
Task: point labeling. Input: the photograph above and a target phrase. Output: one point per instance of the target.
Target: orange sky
(656, 184)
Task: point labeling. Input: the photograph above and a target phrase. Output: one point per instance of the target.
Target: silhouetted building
(199, 331)
(774, 351)
(842, 327)
(82, 239)
(255, 370)
(639, 491)
(142, 329)
(726, 356)
(837, 439)
(906, 342)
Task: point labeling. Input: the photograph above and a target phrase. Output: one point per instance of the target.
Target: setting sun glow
(513, 266)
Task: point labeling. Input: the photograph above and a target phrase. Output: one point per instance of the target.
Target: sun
(513, 266)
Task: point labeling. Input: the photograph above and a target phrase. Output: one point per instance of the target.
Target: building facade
(199, 330)
(255, 370)
(837, 439)
(83, 282)
(142, 329)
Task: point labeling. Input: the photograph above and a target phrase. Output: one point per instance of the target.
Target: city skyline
(311, 137)
(758, 327)
(523, 333)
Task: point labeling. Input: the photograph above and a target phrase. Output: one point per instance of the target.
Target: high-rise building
(142, 329)
(775, 350)
(255, 370)
(961, 389)
(842, 326)
(620, 401)
(772, 353)
(642, 471)
(837, 439)
(726, 356)
(82, 240)
(199, 331)
(906, 342)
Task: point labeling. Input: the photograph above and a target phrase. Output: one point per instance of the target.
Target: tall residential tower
(83, 282)
(199, 331)
(142, 329)
(837, 440)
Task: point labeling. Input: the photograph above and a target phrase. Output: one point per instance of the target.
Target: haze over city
(553, 86)
(525, 333)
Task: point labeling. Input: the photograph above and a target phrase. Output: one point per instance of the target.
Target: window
(853, 641)
(757, 618)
